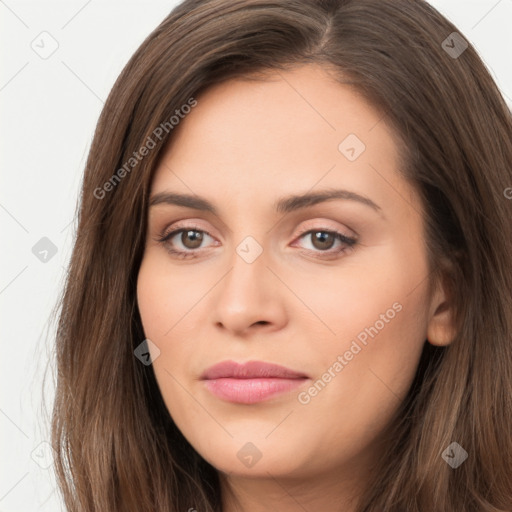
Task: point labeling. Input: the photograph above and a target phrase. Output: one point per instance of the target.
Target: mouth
(251, 382)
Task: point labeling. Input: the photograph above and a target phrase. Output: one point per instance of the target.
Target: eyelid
(184, 225)
(325, 227)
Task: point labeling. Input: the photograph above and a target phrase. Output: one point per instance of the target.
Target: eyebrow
(285, 204)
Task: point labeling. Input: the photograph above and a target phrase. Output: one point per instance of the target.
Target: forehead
(291, 132)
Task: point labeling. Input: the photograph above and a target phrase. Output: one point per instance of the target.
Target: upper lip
(250, 370)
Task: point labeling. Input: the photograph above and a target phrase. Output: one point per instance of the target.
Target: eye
(184, 242)
(190, 238)
(324, 240)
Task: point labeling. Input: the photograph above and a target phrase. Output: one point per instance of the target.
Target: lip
(250, 370)
(251, 382)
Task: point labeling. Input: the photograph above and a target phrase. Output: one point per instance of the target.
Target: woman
(291, 283)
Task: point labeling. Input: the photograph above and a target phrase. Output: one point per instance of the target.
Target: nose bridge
(247, 294)
(248, 263)
(250, 242)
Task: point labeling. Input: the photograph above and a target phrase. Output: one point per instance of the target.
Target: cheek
(364, 376)
(165, 296)
(377, 318)
(169, 302)
(378, 300)
(161, 306)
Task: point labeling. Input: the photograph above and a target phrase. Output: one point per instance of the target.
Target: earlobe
(441, 328)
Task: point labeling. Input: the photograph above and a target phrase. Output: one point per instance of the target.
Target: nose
(250, 298)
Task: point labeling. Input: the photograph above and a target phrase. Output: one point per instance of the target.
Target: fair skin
(300, 303)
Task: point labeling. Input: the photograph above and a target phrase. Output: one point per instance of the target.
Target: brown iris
(195, 237)
(322, 239)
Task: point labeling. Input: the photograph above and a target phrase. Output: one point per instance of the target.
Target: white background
(49, 108)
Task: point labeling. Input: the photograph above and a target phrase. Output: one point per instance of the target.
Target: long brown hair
(117, 448)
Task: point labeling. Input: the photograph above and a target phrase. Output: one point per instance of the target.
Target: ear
(441, 328)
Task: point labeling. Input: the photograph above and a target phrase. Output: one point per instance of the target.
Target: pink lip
(252, 382)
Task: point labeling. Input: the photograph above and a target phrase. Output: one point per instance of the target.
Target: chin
(255, 459)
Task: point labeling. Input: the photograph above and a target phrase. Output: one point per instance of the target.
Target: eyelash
(165, 237)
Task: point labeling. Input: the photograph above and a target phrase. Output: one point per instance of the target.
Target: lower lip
(251, 391)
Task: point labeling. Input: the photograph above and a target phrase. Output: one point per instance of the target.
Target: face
(262, 265)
